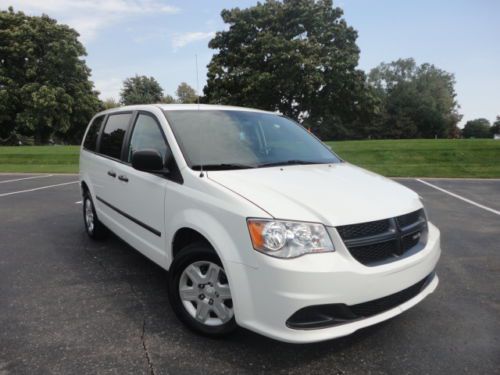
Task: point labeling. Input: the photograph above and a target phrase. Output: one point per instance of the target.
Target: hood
(334, 195)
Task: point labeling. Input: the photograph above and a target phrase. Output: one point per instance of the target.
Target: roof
(181, 107)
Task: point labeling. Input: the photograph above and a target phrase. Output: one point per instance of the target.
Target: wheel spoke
(221, 311)
(204, 290)
(202, 311)
(188, 294)
(194, 274)
(224, 291)
(212, 273)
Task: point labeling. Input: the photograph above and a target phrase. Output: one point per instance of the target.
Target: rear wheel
(94, 228)
(199, 291)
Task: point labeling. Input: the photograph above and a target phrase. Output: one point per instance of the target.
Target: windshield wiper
(222, 166)
(289, 162)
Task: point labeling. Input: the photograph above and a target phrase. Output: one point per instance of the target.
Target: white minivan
(258, 223)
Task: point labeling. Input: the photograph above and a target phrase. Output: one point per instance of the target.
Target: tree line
(297, 57)
(146, 90)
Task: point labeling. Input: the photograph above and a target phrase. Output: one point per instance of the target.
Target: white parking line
(79, 202)
(459, 197)
(38, 188)
(26, 178)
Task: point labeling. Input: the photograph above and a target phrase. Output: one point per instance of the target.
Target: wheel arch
(84, 187)
(194, 225)
(186, 236)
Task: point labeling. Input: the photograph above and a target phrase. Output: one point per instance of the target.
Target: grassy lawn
(424, 157)
(59, 159)
(395, 158)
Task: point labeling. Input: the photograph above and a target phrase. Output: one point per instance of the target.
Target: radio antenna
(198, 101)
(197, 82)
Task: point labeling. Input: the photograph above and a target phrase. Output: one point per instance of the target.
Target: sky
(161, 38)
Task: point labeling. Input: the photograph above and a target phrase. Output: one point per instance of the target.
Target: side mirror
(148, 161)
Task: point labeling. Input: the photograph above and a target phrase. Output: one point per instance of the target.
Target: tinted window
(244, 139)
(113, 134)
(147, 135)
(90, 142)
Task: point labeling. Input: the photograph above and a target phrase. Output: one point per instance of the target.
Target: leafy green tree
(495, 128)
(418, 101)
(110, 103)
(168, 99)
(297, 57)
(186, 94)
(478, 128)
(45, 89)
(141, 90)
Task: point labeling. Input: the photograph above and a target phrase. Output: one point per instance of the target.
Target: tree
(186, 94)
(495, 128)
(168, 99)
(141, 90)
(478, 128)
(110, 103)
(45, 89)
(418, 101)
(297, 57)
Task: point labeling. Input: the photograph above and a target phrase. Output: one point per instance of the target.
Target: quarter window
(113, 134)
(90, 142)
(147, 135)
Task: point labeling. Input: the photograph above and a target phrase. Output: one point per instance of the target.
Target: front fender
(231, 241)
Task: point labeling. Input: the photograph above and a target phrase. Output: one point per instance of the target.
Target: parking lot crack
(141, 302)
(144, 346)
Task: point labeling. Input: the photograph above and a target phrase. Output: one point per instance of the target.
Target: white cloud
(88, 17)
(108, 87)
(183, 39)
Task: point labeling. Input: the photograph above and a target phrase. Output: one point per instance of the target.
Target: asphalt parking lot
(69, 305)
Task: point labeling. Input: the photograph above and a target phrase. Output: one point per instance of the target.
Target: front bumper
(267, 296)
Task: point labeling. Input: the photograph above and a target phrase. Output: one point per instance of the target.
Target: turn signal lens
(288, 239)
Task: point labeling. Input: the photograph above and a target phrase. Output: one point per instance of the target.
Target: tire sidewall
(187, 256)
(86, 196)
(100, 232)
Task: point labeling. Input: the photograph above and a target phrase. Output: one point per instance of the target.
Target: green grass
(424, 157)
(395, 158)
(57, 159)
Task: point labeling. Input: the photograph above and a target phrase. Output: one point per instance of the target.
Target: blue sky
(161, 37)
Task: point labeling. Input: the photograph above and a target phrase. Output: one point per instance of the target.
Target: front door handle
(123, 178)
(112, 174)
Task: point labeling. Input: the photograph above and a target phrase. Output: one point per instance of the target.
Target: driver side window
(146, 135)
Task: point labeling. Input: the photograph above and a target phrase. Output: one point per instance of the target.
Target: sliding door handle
(112, 174)
(123, 178)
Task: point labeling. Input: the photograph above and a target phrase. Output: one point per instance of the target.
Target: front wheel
(199, 291)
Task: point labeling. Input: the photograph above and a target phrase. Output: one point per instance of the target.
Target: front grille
(375, 252)
(409, 219)
(376, 242)
(370, 228)
(320, 316)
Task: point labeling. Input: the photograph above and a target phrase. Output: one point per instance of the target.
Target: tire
(205, 304)
(94, 228)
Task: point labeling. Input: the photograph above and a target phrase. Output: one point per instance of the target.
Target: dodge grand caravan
(258, 222)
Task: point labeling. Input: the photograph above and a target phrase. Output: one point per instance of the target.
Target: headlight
(288, 239)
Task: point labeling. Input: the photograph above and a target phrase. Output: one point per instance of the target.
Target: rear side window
(113, 134)
(90, 142)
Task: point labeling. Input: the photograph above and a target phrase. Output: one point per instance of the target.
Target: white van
(258, 222)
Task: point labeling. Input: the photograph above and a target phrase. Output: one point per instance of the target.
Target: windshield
(221, 139)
